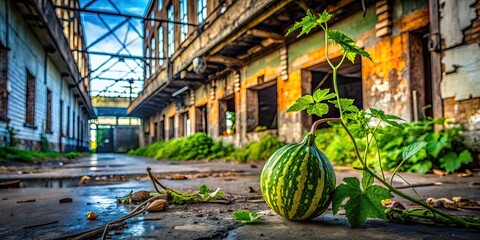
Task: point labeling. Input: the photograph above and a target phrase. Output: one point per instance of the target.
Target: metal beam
(123, 15)
(118, 55)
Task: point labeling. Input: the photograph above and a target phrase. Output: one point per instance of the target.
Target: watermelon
(298, 180)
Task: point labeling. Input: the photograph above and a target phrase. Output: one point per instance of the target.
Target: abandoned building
(44, 85)
(225, 67)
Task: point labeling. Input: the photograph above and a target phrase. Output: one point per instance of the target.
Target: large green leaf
(301, 104)
(361, 204)
(412, 149)
(347, 45)
(451, 161)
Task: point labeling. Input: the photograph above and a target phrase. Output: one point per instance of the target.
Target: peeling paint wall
(387, 82)
(460, 85)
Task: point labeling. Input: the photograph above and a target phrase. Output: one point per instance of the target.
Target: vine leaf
(390, 119)
(452, 161)
(318, 109)
(413, 148)
(301, 104)
(245, 216)
(321, 95)
(309, 22)
(314, 104)
(346, 104)
(347, 45)
(361, 204)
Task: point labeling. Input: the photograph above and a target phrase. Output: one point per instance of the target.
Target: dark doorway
(104, 139)
(171, 127)
(201, 118)
(349, 81)
(420, 74)
(162, 130)
(262, 107)
(155, 132)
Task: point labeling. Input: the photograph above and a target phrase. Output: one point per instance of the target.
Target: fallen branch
(117, 223)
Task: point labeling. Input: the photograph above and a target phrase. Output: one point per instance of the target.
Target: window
(73, 125)
(152, 15)
(201, 10)
(262, 107)
(183, 19)
(48, 121)
(30, 101)
(153, 61)
(170, 32)
(68, 122)
(147, 63)
(160, 46)
(3, 82)
(159, 5)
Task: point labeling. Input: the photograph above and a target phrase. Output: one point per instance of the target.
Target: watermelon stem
(318, 122)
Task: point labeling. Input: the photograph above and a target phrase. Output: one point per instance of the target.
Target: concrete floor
(199, 221)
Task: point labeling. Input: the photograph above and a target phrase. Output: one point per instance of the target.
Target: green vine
(364, 197)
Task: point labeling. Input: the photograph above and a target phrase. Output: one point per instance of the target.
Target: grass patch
(202, 146)
(15, 154)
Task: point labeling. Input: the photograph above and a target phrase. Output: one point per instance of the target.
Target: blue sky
(128, 34)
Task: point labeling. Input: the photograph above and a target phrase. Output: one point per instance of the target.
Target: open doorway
(227, 116)
(349, 81)
(184, 126)
(420, 74)
(262, 107)
(201, 119)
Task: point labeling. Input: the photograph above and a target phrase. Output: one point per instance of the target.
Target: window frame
(30, 100)
(171, 31)
(202, 12)
(183, 7)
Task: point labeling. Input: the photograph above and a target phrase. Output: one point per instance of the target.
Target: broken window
(30, 101)
(349, 80)
(262, 107)
(3, 82)
(48, 122)
(201, 118)
(227, 116)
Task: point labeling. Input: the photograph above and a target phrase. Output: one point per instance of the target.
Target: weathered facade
(237, 62)
(44, 85)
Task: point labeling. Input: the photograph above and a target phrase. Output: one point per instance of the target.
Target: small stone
(199, 215)
(65, 200)
(261, 235)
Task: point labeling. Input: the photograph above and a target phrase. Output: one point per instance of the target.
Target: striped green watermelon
(298, 180)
